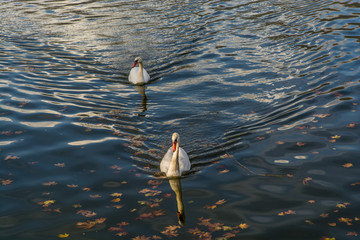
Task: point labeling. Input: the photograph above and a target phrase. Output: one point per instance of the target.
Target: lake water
(264, 94)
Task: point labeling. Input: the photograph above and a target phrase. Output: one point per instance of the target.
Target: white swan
(138, 75)
(176, 160)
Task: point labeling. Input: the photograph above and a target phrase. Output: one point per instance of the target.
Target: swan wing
(184, 162)
(133, 75)
(146, 76)
(165, 162)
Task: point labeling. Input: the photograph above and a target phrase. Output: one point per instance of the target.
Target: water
(264, 95)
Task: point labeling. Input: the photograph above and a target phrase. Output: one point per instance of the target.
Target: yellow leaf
(226, 228)
(116, 200)
(340, 205)
(335, 137)
(116, 194)
(64, 235)
(243, 226)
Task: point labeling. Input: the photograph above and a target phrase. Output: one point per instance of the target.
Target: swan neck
(174, 164)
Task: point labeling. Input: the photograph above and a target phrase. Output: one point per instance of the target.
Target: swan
(138, 75)
(176, 160)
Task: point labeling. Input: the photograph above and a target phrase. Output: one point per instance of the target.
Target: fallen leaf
(6, 182)
(335, 137)
(50, 183)
(243, 225)
(86, 213)
(347, 165)
(332, 224)
(63, 235)
(307, 180)
(59, 165)
(300, 144)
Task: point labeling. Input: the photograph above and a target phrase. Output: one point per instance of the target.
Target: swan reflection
(175, 184)
(141, 90)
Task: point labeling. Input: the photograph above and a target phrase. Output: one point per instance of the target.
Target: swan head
(175, 140)
(137, 60)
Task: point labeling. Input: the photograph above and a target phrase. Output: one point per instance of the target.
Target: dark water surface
(255, 89)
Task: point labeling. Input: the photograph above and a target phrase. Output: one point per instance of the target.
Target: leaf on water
(11, 157)
(63, 235)
(327, 238)
(243, 225)
(154, 183)
(306, 181)
(220, 202)
(95, 196)
(347, 165)
(59, 165)
(332, 224)
(115, 200)
(300, 144)
(116, 167)
(324, 215)
(141, 238)
(311, 201)
(149, 192)
(72, 185)
(280, 142)
(153, 214)
(50, 183)
(309, 222)
(346, 220)
(90, 224)
(351, 234)
(288, 212)
(77, 206)
(226, 156)
(335, 137)
(351, 125)
(47, 203)
(6, 182)
(171, 231)
(321, 115)
(223, 171)
(86, 213)
(340, 205)
(116, 194)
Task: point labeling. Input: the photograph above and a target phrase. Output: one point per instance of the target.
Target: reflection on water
(272, 85)
(175, 184)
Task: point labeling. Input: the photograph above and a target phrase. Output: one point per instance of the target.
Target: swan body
(138, 75)
(176, 160)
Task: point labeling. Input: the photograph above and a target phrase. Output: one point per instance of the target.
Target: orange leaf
(347, 165)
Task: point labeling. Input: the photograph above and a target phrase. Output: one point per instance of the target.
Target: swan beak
(174, 146)
(134, 64)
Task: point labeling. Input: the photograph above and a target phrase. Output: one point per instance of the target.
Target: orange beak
(134, 64)
(174, 146)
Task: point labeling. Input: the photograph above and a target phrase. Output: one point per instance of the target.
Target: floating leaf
(335, 137)
(300, 144)
(348, 165)
(171, 231)
(6, 182)
(307, 180)
(243, 226)
(116, 194)
(63, 235)
(141, 238)
(59, 165)
(50, 183)
(11, 157)
(86, 213)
